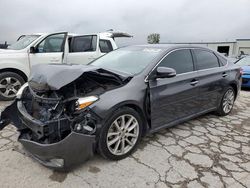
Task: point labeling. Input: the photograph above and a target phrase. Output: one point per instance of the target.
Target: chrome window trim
(191, 48)
(209, 69)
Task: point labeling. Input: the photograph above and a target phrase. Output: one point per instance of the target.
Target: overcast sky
(174, 20)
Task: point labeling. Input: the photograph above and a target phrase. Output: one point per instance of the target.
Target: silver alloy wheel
(9, 86)
(122, 134)
(228, 101)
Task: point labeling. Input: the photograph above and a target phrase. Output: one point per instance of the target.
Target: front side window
(205, 59)
(83, 43)
(52, 43)
(23, 42)
(105, 46)
(181, 61)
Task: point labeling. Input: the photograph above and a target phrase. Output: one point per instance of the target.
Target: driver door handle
(224, 74)
(194, 82)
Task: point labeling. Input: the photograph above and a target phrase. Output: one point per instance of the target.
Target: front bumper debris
(65, 154)
(73, 149)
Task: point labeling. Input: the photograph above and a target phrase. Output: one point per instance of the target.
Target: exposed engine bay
(60, 108)
(53, 112)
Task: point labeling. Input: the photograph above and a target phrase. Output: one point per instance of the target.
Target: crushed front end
(57, 126)
(51, 135)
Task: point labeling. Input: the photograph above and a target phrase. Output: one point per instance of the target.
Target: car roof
(100, 34)
(170, 46)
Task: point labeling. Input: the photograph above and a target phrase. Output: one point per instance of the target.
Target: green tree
(154, 38)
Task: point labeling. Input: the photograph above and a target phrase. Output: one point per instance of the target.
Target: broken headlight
(84, 102)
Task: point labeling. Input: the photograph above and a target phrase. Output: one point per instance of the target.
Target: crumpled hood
(46, 77)
(55, 76)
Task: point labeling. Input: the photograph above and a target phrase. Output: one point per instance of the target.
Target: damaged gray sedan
(65, 113)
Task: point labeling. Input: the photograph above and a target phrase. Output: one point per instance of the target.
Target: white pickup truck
(16, 61)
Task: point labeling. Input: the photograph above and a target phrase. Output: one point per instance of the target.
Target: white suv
(16, 61)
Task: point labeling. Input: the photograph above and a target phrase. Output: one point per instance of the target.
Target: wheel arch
(17, 71)
(235, 88)
(135, 106)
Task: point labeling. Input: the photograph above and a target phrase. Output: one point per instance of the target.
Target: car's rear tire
(227, 102)
(10, 83)
(121, 134)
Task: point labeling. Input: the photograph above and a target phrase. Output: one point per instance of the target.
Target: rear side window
(105, 46)
(181, 61)
(205, 59)
(83, 43)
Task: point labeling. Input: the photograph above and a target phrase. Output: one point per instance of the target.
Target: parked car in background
(244, 63)
(59, 48)
(67, 112)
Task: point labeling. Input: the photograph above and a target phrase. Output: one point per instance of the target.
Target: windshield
(23, 42)
(244, 62)
(131, 60)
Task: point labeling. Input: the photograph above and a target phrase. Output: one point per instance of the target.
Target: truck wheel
(10, 83)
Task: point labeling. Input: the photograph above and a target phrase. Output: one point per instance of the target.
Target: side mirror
(164, 72)
(32, 50)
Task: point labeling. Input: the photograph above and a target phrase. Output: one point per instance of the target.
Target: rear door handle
(224, 74)
(194, 82)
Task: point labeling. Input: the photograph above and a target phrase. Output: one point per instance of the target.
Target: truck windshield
(131, 60)
(23, 42)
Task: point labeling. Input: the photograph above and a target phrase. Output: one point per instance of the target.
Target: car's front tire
(10, 83)
(121, 134)
(227, 102)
